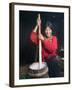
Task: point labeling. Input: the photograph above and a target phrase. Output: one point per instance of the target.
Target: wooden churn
(38, 69)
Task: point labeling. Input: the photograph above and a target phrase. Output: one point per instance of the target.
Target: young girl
(49, 47)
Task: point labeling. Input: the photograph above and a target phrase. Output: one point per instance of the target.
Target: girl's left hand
(41, 37)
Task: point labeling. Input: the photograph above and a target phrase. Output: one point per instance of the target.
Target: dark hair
(50, 25)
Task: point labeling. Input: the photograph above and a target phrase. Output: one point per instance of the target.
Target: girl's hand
(41, 37)
(38, 22)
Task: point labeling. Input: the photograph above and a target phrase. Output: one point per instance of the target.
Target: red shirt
(48, 47)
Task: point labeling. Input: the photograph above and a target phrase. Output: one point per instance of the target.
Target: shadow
(7, 84)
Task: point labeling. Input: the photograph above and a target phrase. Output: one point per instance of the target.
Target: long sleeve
(51, 46)
(34, 38)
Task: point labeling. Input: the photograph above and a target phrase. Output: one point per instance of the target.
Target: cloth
(53, 65)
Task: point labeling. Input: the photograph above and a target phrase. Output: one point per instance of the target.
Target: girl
(49, 47)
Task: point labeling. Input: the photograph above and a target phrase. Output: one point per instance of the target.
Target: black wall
(27, 21)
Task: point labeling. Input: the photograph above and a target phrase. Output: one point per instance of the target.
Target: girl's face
(48, 32)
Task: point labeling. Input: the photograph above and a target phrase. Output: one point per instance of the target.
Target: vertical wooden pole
(40, 46)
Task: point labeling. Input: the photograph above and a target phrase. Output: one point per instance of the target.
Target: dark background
(27, 21)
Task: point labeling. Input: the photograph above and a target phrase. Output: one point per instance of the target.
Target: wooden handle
(38, 16)
(40, 46)
(39, 25)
